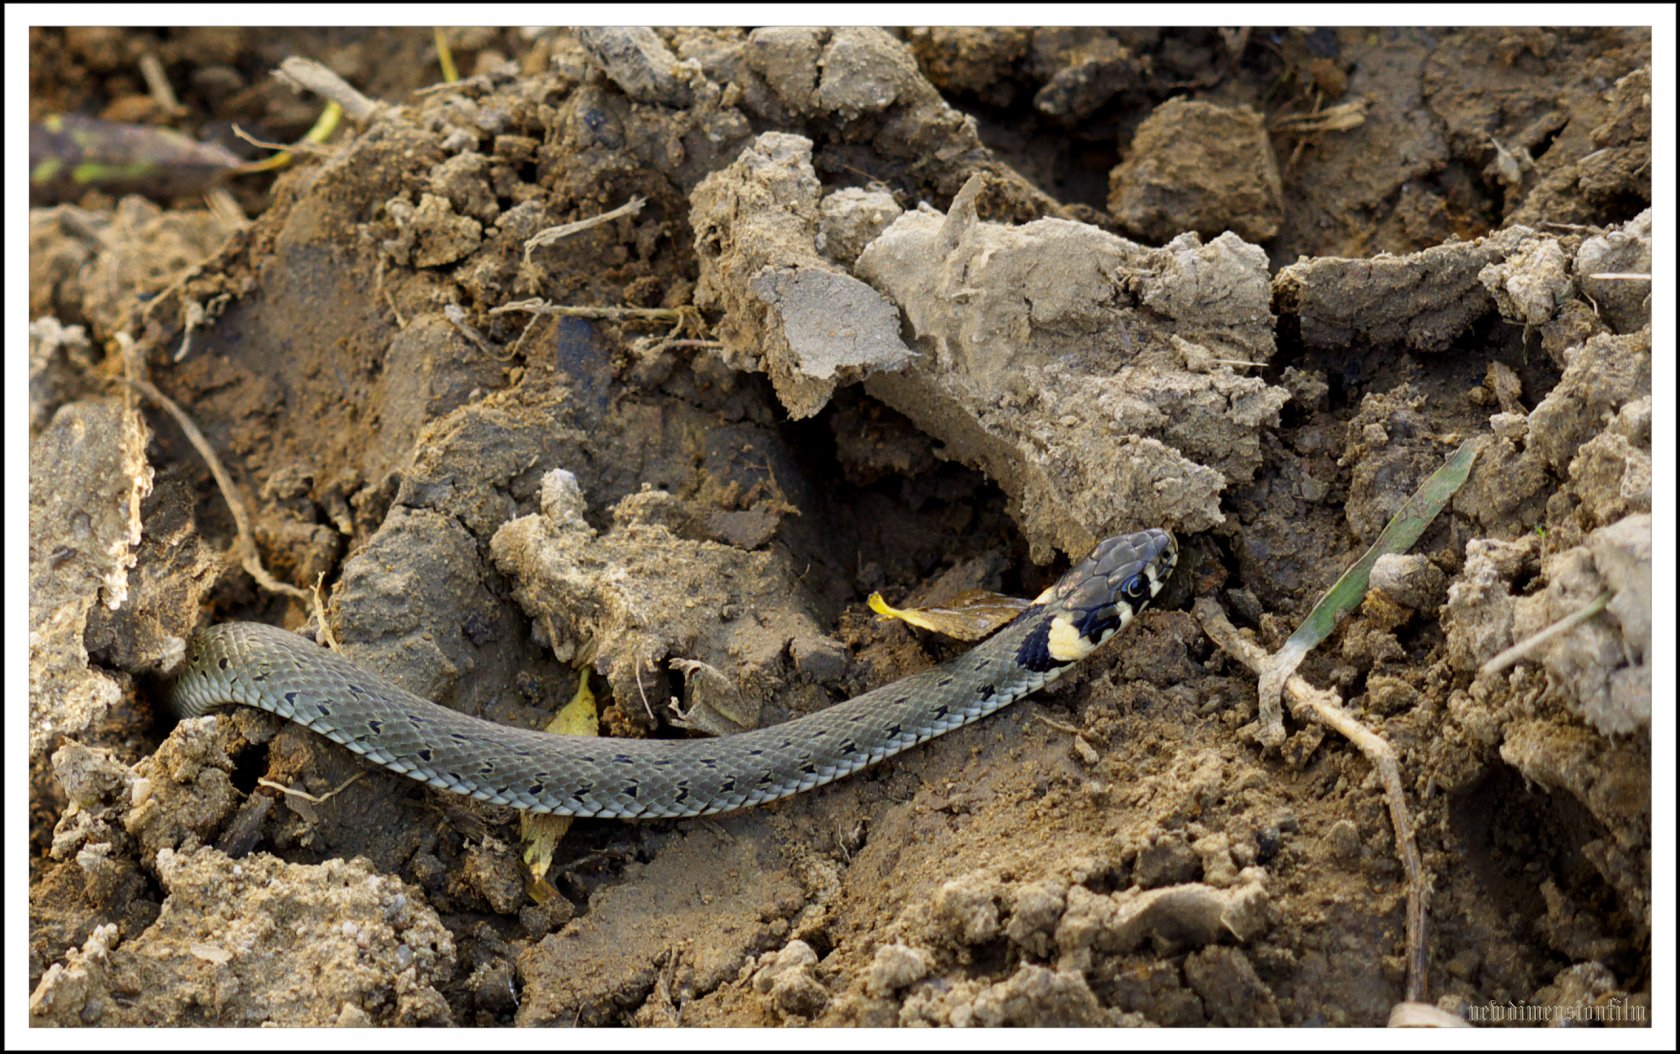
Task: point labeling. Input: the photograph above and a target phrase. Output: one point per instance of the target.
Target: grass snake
(281, 672)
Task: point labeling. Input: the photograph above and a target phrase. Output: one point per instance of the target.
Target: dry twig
(550, 235)
(310, 75)
(538, 306)
(1520, 650)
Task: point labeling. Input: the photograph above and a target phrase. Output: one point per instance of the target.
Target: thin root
(457, 317)
(550, 235)
(305, 795)
(1060, 726)
(643, 693)
(245, 543)
(302, 146)
(320, 607)
(630, 314)
(1307, 701)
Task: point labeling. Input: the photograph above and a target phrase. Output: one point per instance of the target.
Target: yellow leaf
(541, 832)
(969, 615)
(578, 717)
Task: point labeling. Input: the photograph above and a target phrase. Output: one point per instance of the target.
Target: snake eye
(1135, 588)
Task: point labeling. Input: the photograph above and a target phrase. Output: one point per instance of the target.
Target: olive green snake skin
(278, 671)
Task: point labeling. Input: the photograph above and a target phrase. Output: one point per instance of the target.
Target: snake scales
(278, 671)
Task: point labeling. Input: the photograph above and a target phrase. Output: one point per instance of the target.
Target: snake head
(1131, 568)
(1099, 596)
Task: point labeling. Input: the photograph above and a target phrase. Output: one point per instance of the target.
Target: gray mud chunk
(183, 794)
(787, 977)
(832, 321)
(431, 233)
(1036, 997)
(972, 60)
(1410, 580)
(1477, 618)
(846, 72)
(261, 942)
(1602, 375)
(464, 180)
(635, 59)
(788, 312)
(562, 501)
(636, 595)
(1600, 668)
(1167, 861)
(1611, 473)
(1532, 283)
(851, 218)
(88, 475)
(1622, 556)
(966, 909)
(822, 659)
(1085, 70)
(1198, 167)
(1422, 301)
(1034, 910)
(1625, 303)
(61, 362)
(418, 564)
(1090, 376)
(1171, 918)
(787, 57)
(1225, 980)
(864, 70)
(863, 88)
(716, 890)
(895, 966)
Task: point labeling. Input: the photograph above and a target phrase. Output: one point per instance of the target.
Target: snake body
(278, 671)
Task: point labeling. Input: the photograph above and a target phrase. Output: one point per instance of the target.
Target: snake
(272, 669)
